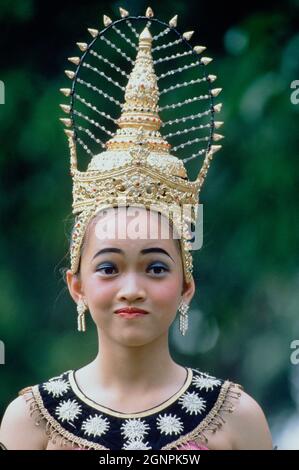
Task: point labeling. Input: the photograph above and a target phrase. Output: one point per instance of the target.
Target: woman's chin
(134, 339)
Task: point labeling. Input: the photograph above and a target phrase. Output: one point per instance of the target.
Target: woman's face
(121, 270)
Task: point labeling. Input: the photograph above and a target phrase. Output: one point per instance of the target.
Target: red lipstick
(131, 312)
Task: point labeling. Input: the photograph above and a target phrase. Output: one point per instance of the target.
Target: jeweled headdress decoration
(127, 99)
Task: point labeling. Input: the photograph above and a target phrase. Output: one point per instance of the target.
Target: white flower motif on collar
(56, 388)
(95, 425)
(68, 410)
(168, 424)
(193, 403)
(207, 382)
(134, 429)
(136, 444)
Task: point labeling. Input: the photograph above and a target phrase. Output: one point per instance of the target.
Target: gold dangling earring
(183, 309)
(81, 309)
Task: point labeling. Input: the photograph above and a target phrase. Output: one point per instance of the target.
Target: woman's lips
(131, 315)
(131, 312)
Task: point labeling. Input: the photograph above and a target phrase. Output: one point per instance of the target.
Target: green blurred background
(244, 315)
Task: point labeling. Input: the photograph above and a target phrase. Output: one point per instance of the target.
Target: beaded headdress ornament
(149, 105)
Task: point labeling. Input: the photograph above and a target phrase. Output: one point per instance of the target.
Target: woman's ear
(188, 290)
(74, 284)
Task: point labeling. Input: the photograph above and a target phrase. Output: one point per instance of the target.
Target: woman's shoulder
(248, 426)
(18, 430)
(20, 427)
(242, 421)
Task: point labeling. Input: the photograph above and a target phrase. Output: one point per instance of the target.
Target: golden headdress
(136, 167)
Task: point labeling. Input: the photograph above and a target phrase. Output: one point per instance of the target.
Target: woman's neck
(137, 368)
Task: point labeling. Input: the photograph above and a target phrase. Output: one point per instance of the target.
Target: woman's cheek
(100, 294)
(166, 293)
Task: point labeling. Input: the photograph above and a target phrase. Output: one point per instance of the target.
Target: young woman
(133, 395)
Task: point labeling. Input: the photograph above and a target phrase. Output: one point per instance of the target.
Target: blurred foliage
(245, 311)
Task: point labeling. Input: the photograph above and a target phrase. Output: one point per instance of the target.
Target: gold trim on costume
(139, 414)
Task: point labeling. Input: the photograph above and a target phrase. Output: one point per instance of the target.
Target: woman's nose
(131, 289)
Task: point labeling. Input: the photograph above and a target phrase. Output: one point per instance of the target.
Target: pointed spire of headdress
(140, 109)
(142, 94)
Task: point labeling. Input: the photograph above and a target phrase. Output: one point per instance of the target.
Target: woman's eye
(164, 269)
(105, 268)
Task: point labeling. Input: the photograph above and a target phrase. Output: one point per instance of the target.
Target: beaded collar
(74, 418)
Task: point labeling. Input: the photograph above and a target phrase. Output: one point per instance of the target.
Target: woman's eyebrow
(143, 252)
